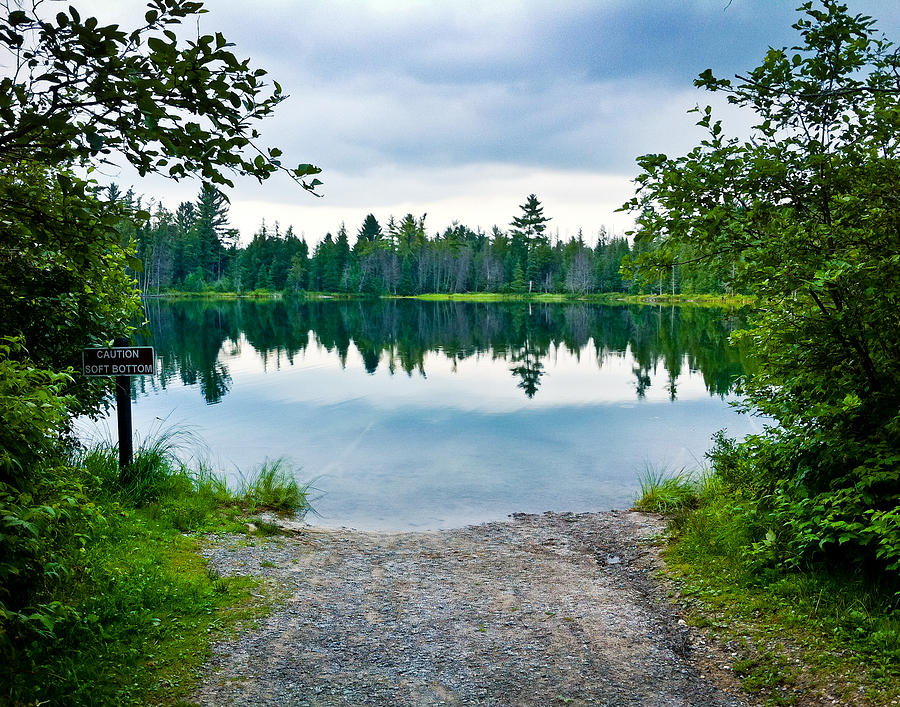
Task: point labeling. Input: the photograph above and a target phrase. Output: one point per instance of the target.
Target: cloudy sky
(460, 109)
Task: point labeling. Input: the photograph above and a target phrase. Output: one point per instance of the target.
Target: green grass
(704, 300)
(147, 609)
(511, 297)
(487, 297)
(216, 294)
(156, 469)
(128, 607)
(191, 497)
(272, 487)
(797, 634)
(438, 297)
(719, 300)
(663, 491)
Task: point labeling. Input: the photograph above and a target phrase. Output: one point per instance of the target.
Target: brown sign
(119, 361)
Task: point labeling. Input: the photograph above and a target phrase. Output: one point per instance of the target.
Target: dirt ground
(552, 609)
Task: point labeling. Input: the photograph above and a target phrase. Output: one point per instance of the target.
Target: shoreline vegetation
(136, 622)
(702, 300)
(124, 608)
(827, 634)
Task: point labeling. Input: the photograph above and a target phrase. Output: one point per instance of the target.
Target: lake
(424, 415)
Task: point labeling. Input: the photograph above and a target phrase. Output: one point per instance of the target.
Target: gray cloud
(526, 42)
(395, 100)
(572, 84)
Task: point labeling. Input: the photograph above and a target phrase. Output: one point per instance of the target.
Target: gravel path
(555, 609)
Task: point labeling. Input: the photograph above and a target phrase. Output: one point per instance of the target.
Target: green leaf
(304, 170)
(95, 140)
(158, 45)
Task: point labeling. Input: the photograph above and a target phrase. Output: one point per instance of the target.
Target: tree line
(195, 249)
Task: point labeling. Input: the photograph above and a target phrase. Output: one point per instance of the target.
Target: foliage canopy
(76, 94)
(80, 90)
(805, 213)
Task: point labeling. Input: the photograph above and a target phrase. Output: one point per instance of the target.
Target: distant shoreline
(702, 300)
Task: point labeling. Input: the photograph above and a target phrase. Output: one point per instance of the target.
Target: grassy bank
(257, 294)
(693, 300)
(215, 294)
(445, 297)
(794, 633)
(490, 297)
(114, 604)
(598, 298)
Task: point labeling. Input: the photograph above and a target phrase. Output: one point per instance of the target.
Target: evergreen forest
(195, 250)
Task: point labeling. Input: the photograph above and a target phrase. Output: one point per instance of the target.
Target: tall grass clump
(664, 491)
(156, 470)
(273, 487)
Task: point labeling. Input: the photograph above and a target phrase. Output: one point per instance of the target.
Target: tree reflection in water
(189, 337)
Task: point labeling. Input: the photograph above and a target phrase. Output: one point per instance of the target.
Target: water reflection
(409, 414)
(191, 336)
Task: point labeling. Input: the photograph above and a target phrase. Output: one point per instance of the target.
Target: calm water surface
(429, 415)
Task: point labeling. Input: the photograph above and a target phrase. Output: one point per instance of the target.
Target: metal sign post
(123, 416)
(121, 361)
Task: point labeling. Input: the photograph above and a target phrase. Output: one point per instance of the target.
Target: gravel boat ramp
(551, 609)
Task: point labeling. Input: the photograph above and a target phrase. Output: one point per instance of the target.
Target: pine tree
(527, 232)
(341, 258)
(369, 232)
(518, 280)
(211, 231)
(530, 226)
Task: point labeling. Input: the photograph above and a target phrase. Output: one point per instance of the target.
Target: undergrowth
(816, 630)
(109, 600)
